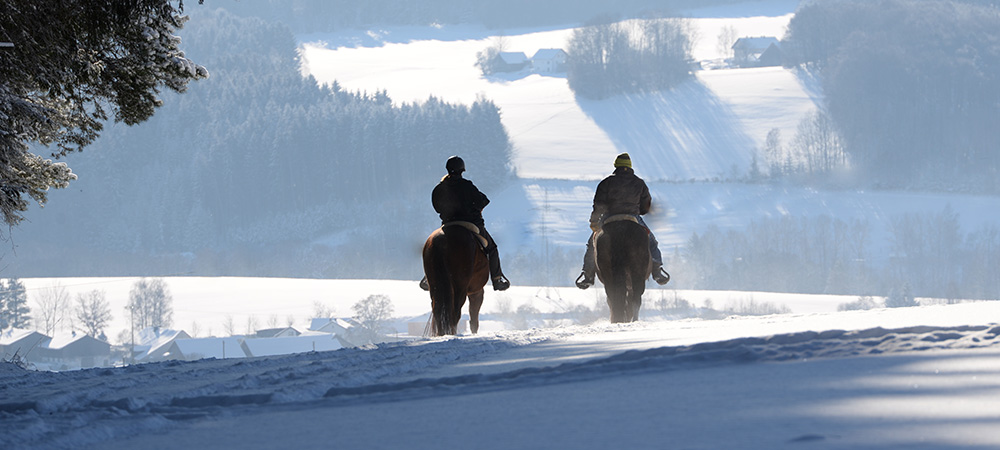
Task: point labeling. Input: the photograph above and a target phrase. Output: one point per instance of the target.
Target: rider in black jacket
(457, 199)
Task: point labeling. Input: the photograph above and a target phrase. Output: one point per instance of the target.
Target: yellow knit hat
(623, 160)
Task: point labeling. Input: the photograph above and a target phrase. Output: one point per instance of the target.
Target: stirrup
(661, 276)
(583, 282)
(500, 283)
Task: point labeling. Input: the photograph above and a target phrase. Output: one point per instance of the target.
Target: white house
(201, 348)
(549, 60)
(160, 347)
(332, 325)
(277, 332)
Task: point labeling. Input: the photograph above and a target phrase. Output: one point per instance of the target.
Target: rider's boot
(585, 280)
(500, 282)
(659, 275)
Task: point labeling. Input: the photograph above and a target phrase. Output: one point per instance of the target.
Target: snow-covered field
(203, 305)
(903, 378)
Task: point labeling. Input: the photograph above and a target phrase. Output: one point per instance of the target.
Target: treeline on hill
(309, 16)
(912, 85)
(606, 59)
(226, 175)
(928, 255)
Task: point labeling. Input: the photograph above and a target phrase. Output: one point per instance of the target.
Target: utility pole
(548, 290)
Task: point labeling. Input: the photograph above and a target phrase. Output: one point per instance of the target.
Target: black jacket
(620, 193)
(456, 198)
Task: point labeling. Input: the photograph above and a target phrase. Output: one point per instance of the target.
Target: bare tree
(252, 325)
(229, 325)
(774, 153)
(322, 311)
(93, 313)
(487, 59)
(374, 313)
(150, 304)
(819, 145)
(727, 37)
(53, 308)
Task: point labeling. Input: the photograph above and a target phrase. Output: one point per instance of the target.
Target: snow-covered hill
(687, 142)
(707, 128)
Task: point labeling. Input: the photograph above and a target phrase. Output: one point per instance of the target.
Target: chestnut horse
(456, 267)
(623, 265)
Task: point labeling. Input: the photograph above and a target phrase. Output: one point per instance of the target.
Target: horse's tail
(442, 292)
(621, 275)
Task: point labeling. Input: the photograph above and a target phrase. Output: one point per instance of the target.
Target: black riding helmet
(455, 165)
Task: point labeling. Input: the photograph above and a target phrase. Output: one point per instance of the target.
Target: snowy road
(871, 379)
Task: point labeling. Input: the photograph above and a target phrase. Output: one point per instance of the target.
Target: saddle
(618, 218)
(471, 227)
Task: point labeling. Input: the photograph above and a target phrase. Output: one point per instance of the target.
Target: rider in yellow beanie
(623, 160)
(621, 193)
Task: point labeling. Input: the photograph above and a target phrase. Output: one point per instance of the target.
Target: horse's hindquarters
(455, 267)
(623, 265)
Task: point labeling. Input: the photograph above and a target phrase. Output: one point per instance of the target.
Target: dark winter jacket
(456, 198)
(620, 193)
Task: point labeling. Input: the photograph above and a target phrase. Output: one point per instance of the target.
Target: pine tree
(73, 65)
(14, 310)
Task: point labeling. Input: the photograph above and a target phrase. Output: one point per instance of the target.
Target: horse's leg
(475, 303)
(635, 300)
(440, 312)
(456, 309)
(616, 301)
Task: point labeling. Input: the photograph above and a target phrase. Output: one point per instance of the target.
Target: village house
(75, 351)
(306, 342)
(511, 62)
(277, 332)
(160, 346)
(64, 352)
(549, 60)
(21, 343)
(757, 52)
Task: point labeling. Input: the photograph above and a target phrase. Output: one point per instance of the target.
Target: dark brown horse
(456, 267)
(623, 265)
